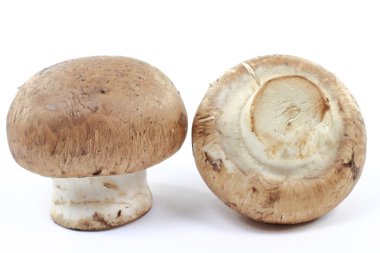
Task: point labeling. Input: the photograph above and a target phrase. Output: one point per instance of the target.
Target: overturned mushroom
(94, 124)
(279, 139)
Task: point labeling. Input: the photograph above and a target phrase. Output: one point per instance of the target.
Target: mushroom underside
(279, 139)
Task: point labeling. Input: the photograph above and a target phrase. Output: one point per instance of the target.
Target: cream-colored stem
(102, 202)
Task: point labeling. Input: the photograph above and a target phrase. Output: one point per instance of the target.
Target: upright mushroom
(94, 124)
(279, 139)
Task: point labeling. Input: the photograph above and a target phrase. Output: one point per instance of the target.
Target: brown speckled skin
(95, 116)
(289, 201)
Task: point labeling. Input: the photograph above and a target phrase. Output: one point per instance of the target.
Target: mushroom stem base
(103, 202)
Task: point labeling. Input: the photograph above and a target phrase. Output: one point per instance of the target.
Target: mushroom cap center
(284, 113)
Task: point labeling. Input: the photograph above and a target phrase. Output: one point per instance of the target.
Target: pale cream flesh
(278, 122)
(100, 202)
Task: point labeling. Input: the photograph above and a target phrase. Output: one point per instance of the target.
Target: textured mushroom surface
(94, 124)
(95, 116)
(279, 139)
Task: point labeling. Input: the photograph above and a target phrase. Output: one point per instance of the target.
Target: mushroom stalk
(95, 203)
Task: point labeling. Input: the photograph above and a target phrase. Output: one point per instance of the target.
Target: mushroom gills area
(287, 128)
(95, 203)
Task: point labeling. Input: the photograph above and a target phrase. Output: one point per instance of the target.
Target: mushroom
(94, 124)
(279, 139)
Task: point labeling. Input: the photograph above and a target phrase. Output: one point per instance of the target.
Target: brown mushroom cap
(279, 139)
(95, 116)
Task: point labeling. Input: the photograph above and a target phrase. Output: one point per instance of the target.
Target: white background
(193, 42)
